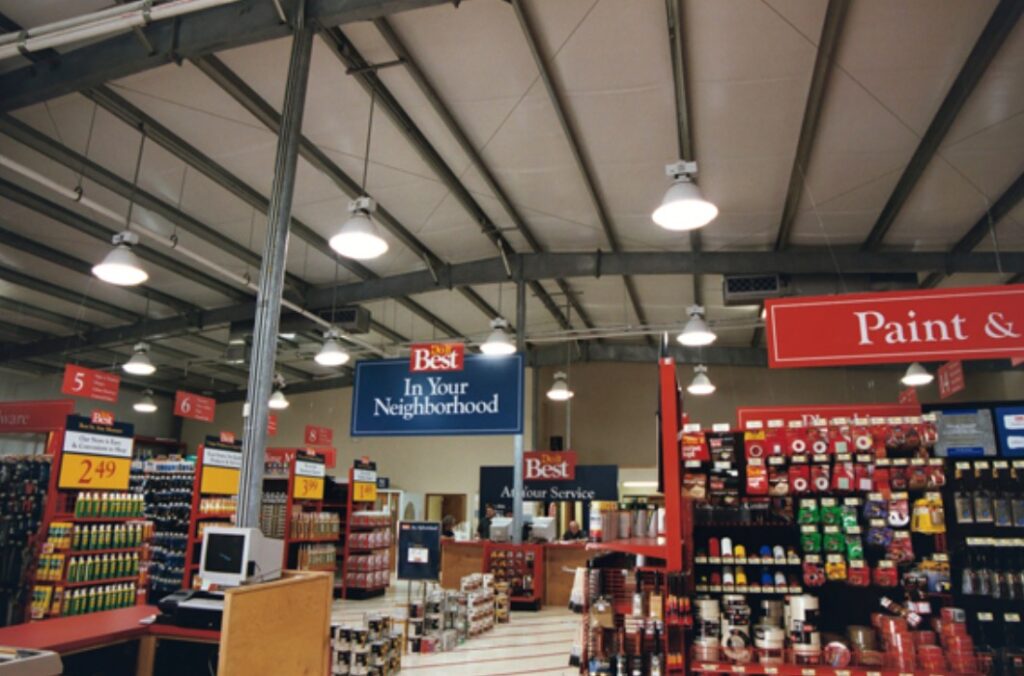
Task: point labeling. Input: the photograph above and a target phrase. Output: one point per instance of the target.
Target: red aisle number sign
(908, 395)
(951, 378)
(191, 405)
(83, 382)
(319, 436)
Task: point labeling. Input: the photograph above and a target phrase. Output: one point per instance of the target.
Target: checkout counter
(461, 558)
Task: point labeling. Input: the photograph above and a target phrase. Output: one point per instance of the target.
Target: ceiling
(898, 159)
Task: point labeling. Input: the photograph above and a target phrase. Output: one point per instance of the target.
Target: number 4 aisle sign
(96, 456)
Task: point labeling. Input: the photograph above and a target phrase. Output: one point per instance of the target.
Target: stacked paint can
(707, 630)
(802, 622)
(736, 643)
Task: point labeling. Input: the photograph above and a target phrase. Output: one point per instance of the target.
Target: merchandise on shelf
(316, 557)
(108, 504)
(272, 513)
(24, 481)
(520, 566)
(221, 505)
(374, 648)
(314, 525)
(167, 486)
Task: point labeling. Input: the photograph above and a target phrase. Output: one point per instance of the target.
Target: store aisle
(533, 643)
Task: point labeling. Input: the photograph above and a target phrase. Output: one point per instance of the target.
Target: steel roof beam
(189, 36)
(48, 147)
(1000, 25)
(995, 213)
(828, 43)
(560, 108)
(258, 107)
(426, 87)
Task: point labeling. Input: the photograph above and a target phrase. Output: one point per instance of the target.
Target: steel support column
(275, 256)
(517, 459)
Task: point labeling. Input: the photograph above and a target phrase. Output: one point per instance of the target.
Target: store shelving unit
(522, 567)
(361, 498)
(214, 498)
(168, 486)
(57, 548)
(299, 501)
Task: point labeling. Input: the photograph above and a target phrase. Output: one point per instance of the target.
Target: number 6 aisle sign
(191, 405)
(96, 456)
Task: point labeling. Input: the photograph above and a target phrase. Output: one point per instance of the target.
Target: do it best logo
(437, 357)
(549, 466)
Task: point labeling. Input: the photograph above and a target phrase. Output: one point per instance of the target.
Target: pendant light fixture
(696, 333)
(499, 343)
(358, 237)
(560, 388)
(683, 207)
(145, 403)
(278, 401)
(700, 385)
(121, 266)
(139, 364)
(332, 353)
(916, 376)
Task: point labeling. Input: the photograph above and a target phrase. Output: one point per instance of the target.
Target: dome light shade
(560, 388)
(278, 402)
(700, 385)
(121, 266)
(916, 376)
(358, 237)
(696, 333)
(331, 353)
(683, 207)
(139, 364)
(499, 343)
(145, 403)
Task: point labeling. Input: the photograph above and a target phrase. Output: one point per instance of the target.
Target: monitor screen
(225, 553)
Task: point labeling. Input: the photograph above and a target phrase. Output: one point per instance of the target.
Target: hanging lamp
(696, 333)
(683, 207)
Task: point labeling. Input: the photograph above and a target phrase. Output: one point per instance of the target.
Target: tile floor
(532, 643)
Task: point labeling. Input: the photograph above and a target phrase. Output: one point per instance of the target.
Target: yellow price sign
(364, 492)
(85, 472)
(308, 488)
(219, 480)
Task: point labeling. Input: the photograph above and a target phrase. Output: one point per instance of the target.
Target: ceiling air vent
(749, 289)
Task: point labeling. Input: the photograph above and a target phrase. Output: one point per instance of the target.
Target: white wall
(20, 387)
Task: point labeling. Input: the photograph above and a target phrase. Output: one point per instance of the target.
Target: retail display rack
(214, 498)
(366, 565)
(95, 551)
(168, 486)
(293, 510)
(634, 611)
(521, 567)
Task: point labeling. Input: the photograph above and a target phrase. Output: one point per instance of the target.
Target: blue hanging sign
(390, 399)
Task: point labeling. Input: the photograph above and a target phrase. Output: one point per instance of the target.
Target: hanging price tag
(96, 456)
(308, 483)
(364, 492)
(222, 465)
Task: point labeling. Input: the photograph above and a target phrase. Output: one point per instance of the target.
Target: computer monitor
(233, 556)
(544, 529)
(501, 529)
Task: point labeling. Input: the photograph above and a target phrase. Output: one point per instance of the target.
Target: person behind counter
(574, 532)
(483, 530)
(448, 526)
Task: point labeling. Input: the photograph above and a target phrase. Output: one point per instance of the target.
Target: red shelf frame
(294, 505)
(351, 506)
(194, 541)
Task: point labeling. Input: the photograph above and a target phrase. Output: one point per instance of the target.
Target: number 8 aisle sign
(96, 456)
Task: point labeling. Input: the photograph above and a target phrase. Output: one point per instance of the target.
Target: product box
(965, 433)
(1010, 426)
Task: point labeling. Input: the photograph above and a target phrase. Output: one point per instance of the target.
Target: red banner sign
(985, 322)
(191, 405)
(271, 425)
(549, 465)
(808, 414)
(83, 382)
(951, 378)
(1016, 361)
(286, 455)
(908, 395)
(316, 435)
(34, 416)
(436, 357)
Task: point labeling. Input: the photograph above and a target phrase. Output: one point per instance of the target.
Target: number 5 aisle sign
(83, 382)
(96, 456)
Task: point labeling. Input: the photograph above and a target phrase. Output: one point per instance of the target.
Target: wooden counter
(465, 558)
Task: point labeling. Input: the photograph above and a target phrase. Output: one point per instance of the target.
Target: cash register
(230, 557)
